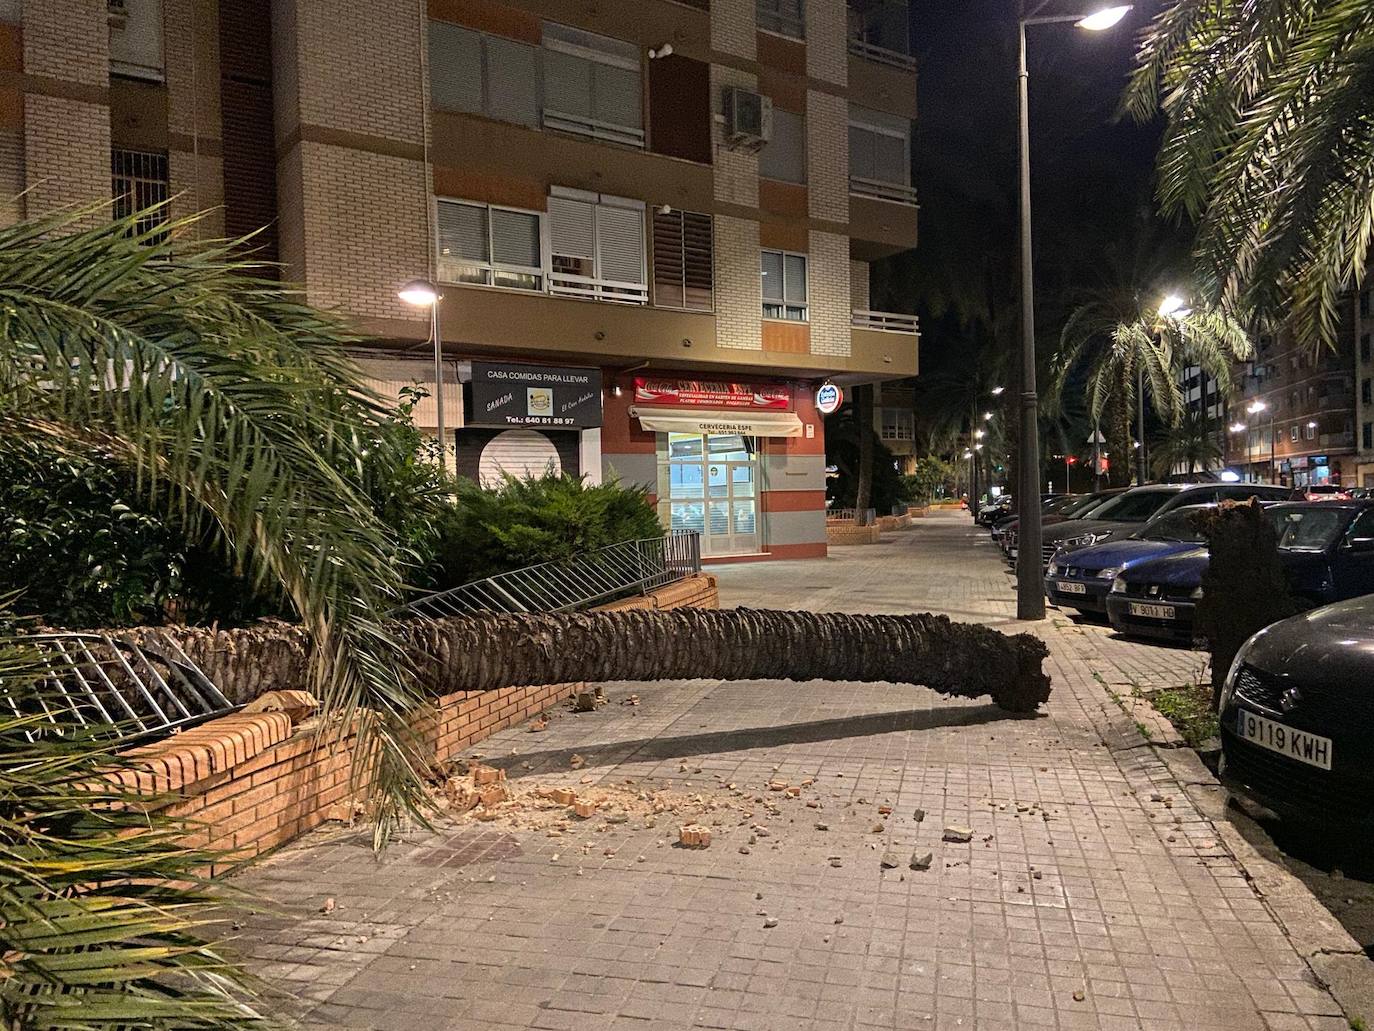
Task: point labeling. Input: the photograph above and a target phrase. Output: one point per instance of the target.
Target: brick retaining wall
(249, 782)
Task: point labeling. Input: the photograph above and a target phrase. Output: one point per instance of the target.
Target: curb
(1336, 960)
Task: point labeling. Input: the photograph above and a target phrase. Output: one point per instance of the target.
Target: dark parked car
(1127, 513)
(1297, 717)
(1083, 579)
(1081, 507)
(1327, 550)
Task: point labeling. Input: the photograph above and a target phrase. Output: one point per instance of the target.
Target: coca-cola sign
(681, 393)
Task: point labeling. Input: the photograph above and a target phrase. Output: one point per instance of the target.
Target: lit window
(784, 286)
(596, 247)
(489, 246)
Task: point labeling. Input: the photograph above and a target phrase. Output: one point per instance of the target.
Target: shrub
(491, 530)
(928, 481)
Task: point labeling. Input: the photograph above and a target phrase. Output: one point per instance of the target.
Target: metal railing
(849, 514)
(607, 574)
(885, 321)
(590, 288)
(902, 193)
(95, 680)
(595, 128)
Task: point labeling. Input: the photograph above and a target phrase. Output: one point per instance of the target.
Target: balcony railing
(581, 125)
(881, 54)
(564, 284)
(878, 30)
(886, 321)
(901, 193)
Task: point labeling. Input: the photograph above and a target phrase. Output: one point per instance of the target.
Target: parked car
(1327, 551)
(1327, 492)
(993, 510)
(1297, 717)
(1083, 579)
(1128, 512)
(1081, 507)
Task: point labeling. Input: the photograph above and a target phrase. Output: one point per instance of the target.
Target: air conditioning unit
(748, 118)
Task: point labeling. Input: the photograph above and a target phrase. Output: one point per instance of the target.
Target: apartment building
(1292, 419)
(650, 225)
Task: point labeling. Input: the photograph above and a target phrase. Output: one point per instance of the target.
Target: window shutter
(617, 96)
(512, 81)
(571, 231)
(515, 238)
(620, 244)
(463, 232)
(861, 162)
(668, 260)
(772, 276)
(784, 156)
(567, 83)
(794, 275)
(698, 259)
(890, 160)
(455, 68)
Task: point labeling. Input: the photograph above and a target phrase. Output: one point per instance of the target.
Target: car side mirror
(1360, 544)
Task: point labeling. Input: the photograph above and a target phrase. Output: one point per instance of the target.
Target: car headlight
(1197, 593)
(1110, 573)
(1119, 585)
(1054, 569)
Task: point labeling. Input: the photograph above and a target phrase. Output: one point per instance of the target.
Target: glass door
(711, 487)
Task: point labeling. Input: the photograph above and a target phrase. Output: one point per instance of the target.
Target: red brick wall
(249, 782)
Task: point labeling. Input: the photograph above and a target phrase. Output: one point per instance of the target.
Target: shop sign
(534, 395)
(829, 397)
(677, 393)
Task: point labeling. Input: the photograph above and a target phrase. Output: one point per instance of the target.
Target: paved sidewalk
(1091, 895)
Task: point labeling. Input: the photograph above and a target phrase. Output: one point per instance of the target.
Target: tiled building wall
(827, 156)
(827, 41)
(739, 283)
(858, 286)
(829, 293)
(195, 161)
(66, 127)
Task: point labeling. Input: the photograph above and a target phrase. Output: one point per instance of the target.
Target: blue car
(1327, 551)
(1083, 579)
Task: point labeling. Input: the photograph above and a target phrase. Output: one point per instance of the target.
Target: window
(136, 39)
(880, 155)
(1367, 436)
(484, 75)
(1364, 347)
(1365, 299)
(879, 31)
(591, 86)
(898, 424)
(682, 260)
(596, 247)
(785, 17)
(138, 182)
(1367, 391)
(489, 246)
(784, 286)
(1311, 431)
(784, 156)
(1293, 434)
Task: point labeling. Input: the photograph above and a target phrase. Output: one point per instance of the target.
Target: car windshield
(1055, 506)
(1307, 529)
(1086, 503)
(1133, 506)
(1173, 526)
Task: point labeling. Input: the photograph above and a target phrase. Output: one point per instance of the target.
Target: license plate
(1069, 587)
(1138, 608)
(1296, 744)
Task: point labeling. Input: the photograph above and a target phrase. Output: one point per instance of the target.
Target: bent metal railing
(124, 690)
(607, 574)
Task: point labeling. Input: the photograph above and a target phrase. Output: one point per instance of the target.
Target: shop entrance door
(712, 488)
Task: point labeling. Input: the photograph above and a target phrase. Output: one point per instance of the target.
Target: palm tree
(103, 922)
(1269, 146)
(1192, 444)
(234, 406)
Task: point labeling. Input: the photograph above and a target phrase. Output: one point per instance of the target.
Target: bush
(928, 481)
(525, 522)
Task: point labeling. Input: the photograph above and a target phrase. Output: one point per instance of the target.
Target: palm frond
(236, 407)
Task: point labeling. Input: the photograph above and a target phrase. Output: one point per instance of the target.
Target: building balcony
(886, 321)
(878, 31)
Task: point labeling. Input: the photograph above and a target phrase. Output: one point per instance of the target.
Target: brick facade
(739, 285)
(827, 156)
(829, 294)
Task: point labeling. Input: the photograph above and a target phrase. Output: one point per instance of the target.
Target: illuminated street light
(1103, 19)
(1255, 407)
(1312, 425)
(979, 434)
(997, 390)
(1174, 307)
(1238, 427)
(422, 294)
(987, 417)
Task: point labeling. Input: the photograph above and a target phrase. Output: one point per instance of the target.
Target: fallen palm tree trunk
(489, 652)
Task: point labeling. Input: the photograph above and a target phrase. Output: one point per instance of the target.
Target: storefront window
(709, 484)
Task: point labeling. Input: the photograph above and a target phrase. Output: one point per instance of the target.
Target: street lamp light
(1030, 594)
(422, 294)
(1174, 307)
(996, 391)
(987, 417)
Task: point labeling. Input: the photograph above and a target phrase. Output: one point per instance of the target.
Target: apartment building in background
(1294, 413)
(650, 224)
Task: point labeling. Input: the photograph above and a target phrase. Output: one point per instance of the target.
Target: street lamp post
(1030, 596)
(1254, 408)
(422, 294)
